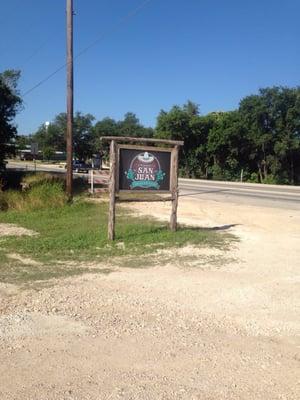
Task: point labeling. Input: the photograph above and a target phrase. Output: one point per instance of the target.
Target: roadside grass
(40, 191)
(77, 234)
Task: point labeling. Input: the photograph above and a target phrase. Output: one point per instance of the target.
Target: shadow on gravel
(221, 228)
(209, 229)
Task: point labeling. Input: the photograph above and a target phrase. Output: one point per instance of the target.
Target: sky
(213, 52)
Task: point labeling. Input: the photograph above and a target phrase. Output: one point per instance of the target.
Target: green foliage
(86, 135)
(183, 123)
(10, 103)
(272, 122)
(23, 140)
(43, 192)
(53, 137)
(48, 153)
(129, 126)
(261, 138)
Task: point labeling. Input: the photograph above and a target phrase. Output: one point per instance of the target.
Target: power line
(35, 52)
(115, 27)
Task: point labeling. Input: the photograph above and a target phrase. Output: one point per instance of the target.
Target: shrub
(253, 178)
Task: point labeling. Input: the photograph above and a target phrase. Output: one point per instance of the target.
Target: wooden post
(174, 187)
(112, 192)
(70, 101)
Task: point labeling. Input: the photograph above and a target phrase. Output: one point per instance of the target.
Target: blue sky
(212, 52)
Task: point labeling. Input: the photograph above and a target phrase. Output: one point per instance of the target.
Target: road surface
(280, 196)
(277, 196)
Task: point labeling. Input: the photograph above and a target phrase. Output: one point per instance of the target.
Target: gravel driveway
(221, 325)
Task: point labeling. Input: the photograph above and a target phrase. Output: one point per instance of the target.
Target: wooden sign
(142, 169)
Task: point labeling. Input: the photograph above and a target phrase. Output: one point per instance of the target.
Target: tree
(260, 138)
(53, 137)
(191, 108)
(105, 127)
(272, 122)
(22, 141)
(129, 126)
(10, 104)
(83, 135)
(48, 153)
(227, 146)
(182, 123)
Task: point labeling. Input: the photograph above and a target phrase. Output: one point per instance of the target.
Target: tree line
(86, 134)
(259, 141)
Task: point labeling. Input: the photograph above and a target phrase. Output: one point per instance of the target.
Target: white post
(92, 180)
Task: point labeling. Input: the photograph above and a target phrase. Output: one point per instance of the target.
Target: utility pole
(70, 100)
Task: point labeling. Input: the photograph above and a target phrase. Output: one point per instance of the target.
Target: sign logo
(145, 172)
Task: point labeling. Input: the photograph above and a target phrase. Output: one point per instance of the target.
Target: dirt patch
(15, 230)
(25, 324)
(23, 260)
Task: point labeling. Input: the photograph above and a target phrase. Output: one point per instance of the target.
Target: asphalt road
(280, 196)
(29, 166)
(277, 196)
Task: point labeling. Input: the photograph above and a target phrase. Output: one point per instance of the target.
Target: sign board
(34, 149)
(142, 168)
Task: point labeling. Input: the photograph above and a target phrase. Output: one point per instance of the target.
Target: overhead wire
(115, 27)
(35, 52)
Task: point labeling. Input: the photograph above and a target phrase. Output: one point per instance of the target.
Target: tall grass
(36, 179)
(45, 195)
(12, 199)
(42, 191)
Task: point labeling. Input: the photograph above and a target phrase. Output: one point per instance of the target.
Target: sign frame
(114, 191)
